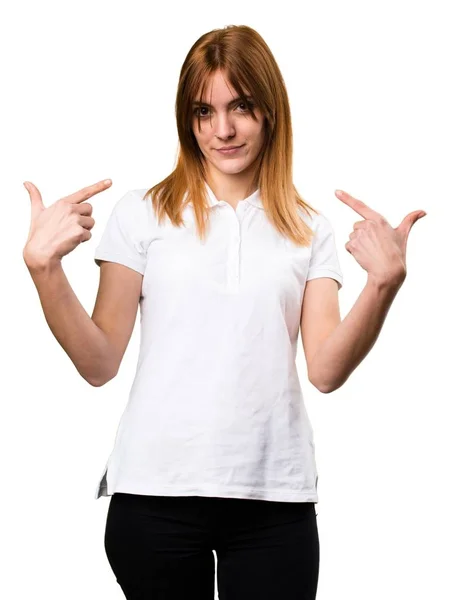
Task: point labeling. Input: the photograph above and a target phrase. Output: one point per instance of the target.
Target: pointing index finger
(360, 207)
(88, 192)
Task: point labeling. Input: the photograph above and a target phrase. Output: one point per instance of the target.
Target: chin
(228, 166)
(235, 171)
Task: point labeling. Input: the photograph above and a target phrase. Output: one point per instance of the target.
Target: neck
(231, 189)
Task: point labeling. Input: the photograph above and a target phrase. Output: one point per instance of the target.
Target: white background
(90, 93)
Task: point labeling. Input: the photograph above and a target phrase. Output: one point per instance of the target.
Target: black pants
(162, 547)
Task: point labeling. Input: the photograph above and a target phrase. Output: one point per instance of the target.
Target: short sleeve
(127, 233)
(324, 258)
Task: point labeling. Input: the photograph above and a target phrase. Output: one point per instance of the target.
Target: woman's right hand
(57, 230)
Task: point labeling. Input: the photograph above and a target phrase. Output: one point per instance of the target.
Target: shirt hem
(119, 258)
(318, 272)
(212, 491)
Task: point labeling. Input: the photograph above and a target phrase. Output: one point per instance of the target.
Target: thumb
(37, 206)
(408, 222)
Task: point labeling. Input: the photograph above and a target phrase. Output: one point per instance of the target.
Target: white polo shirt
(216, 407)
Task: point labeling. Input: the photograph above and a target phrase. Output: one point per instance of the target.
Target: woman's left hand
(376, 246)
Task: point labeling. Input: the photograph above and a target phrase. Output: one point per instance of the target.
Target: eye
(197, 113)
(248, 104)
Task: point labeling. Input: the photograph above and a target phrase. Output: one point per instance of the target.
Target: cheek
(255, 130)
(257, 135)
(201, 137)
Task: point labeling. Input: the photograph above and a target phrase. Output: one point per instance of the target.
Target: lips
(230, 150)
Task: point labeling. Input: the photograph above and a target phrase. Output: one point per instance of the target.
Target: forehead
(218, 89)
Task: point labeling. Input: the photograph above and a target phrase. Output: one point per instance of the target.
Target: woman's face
(227, 122)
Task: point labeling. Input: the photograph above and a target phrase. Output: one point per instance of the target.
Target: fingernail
(339, 192)
(107, 181)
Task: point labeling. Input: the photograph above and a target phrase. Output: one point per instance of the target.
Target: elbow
(325, 381)
(99, 382)
(95, 383)
(318, 384)
(324, 387)
(329, 388)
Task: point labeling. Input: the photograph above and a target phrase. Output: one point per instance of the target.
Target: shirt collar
(253, 199)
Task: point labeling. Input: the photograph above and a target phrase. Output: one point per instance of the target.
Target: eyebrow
(198, 103)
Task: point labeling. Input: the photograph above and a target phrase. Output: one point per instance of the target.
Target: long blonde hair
(242, 54)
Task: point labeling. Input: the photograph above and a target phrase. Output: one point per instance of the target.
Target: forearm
(84, 342)
(353, 338)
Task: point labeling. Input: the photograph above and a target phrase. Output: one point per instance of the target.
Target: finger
(35, 198)
(87, 192)
(408, 222)
(360, 207)
(85, 208)
(87, 222)
(35, 194)
(358, 225)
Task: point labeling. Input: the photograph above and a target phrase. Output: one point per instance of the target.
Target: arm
(85, 343)
(96, 345)
(350, 341)
(381, 251)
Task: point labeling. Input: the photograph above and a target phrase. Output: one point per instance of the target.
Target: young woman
(227, 262)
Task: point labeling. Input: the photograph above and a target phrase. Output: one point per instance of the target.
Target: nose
(224, 126)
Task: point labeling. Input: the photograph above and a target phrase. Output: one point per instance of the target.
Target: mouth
(230, 149)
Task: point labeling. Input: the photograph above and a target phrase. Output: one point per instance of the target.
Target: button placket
(233, 263)
(236, 243)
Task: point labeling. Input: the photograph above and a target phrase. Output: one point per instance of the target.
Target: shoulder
(318, 221)
(134, 210)
(134, 199)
